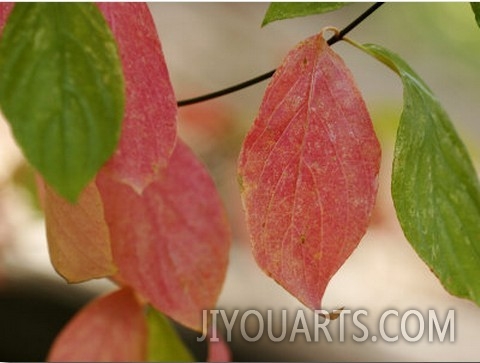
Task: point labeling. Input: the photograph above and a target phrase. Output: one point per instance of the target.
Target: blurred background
(209, 46)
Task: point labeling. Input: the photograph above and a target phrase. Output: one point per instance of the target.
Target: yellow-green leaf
(287, 10)
(164, 344)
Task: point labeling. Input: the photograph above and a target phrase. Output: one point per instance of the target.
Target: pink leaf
(171, 243)
(308, 171)
(5, 9)
(111, 328)
(149, 127)
(77, 234)
(218, 351)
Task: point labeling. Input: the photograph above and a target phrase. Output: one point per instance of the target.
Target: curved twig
(335, 38)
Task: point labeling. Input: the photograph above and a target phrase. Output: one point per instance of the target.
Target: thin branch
(227, 90)
(355, 23)
(263, 77)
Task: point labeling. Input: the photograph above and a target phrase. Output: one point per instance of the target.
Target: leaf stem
(335, 38)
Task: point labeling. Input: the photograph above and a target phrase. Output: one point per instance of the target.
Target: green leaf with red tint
(111, 328)
(170, 243)
(308, 171)
(149, 127)
(5, 9)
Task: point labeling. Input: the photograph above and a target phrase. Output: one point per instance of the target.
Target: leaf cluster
(125, 199)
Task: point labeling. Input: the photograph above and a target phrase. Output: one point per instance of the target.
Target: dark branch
(226, 91)
(269, 74)
(355, 23)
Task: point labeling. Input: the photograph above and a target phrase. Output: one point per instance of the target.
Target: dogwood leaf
(171, 242)
(435, 187)
(288, 10)
(77, 235)
(61, 90)
(111, 328)
(308, 171)
(149, 128)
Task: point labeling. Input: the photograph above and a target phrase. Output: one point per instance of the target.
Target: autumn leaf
(149, 127)
(171, 243)
(111, 328)
(120, 328)
(308, 171)
(77, 235)
(148, 131)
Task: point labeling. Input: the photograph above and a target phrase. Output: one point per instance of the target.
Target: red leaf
(171, 243)
(77, 234)
(111, 328)
(149, 127)
(308, 171)
(218, 351)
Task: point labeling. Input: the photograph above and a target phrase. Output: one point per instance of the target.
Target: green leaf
(285, 10)
(434, 186)
(62, 90)
(476, 11)
(164, 344)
